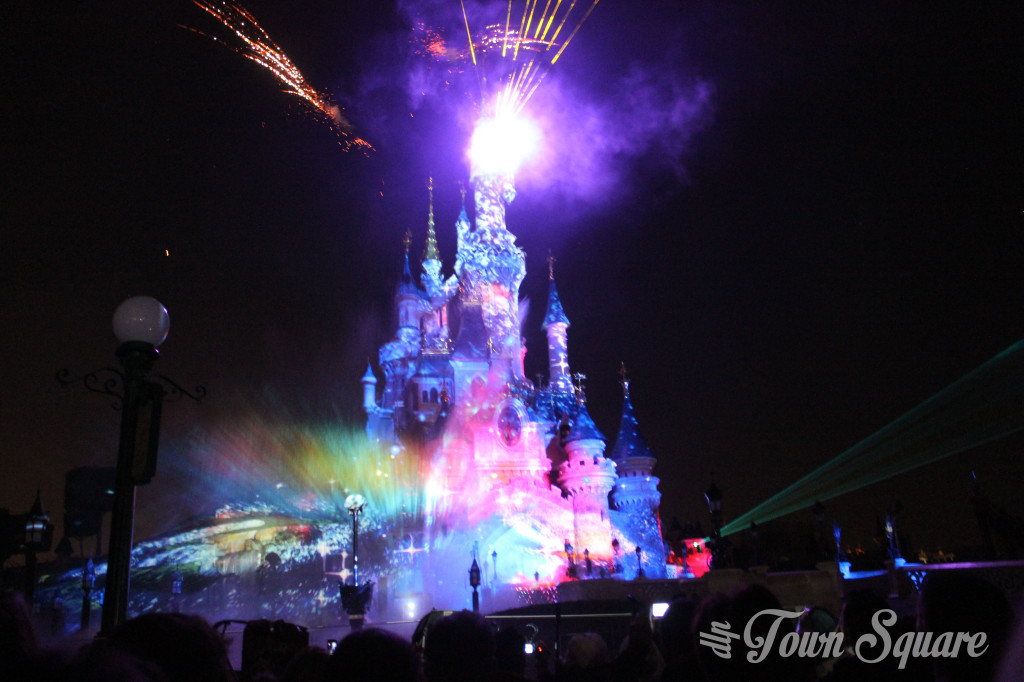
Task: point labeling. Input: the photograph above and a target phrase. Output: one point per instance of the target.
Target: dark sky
(792, 221)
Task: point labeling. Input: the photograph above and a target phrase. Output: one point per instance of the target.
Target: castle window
(433, 395)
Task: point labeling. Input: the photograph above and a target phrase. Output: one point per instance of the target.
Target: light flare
(501, 144)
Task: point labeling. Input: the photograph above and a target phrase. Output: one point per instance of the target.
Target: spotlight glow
(501, 144)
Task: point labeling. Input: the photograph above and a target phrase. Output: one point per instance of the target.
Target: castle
(516, 472)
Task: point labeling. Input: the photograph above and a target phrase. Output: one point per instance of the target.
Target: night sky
(792, 221)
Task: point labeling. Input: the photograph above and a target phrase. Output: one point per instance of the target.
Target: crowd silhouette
(466, 647)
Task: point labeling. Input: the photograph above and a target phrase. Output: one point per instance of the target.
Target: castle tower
(398, 356)
(556, 324)
(637, 489)
(587, 478)
(635, 494)
(409, 297)
(490, 268)
(369, 390)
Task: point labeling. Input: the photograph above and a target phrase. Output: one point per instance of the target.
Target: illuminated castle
(517, 472)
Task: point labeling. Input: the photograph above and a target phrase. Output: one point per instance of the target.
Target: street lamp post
(38, 538)
(474, 581)
(355, 598)
(140, 325)
(714, 498)
(355, 505)
(88, 582)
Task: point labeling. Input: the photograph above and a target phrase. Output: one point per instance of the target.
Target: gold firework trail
(533, 47)
(259, 48)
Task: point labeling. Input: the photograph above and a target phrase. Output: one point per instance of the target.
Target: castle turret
(556, 324)
(636, 489)
(397, 357)
(409, 297)
(369, 390)
(586, 477)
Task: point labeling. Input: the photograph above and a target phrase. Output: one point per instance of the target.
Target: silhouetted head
(373, 655)
(307, 665)
(18, 642)
(510, 650)
(958, 601)
(460, 648)
(676, 628)
(586, 651)
(183, 646)
(859, 607)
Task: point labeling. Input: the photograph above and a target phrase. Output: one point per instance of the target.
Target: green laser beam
(984, 406)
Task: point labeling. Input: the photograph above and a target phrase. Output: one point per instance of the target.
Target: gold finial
(581, 390)
(407, 240)
(624, 379)
(430, 253)
(551, 265)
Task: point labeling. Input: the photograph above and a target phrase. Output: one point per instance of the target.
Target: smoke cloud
(596, 131)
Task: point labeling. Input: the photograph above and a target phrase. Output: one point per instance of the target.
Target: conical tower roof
(37, 506)
(555, 313)
(369, 377)
(583, 427)
(629, 443)
(407, 284)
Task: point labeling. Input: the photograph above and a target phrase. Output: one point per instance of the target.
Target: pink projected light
(501, 144)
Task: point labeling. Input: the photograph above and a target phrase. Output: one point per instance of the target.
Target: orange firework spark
(258, 47)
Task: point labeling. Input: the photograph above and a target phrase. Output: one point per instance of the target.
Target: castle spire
(430, 253)
(637, 487)
(556, 325)
(407, 283)
(630, 445)
(408, 297)
(555, 314)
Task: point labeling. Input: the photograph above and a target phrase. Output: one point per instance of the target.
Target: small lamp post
(753, 541)
(140, 324)
(88, 582)
(176, 582)
(841, 558)
(714, 498)
(474, 581)
(38, 538)
(355, 505)
(355, 597)
(639, 563)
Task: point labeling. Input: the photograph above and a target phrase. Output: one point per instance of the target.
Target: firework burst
(526, 53)
(257, 46)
